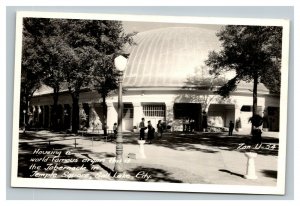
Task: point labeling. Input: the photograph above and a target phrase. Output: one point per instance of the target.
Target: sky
(133, 26)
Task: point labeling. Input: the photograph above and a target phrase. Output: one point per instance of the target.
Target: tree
(209, 84)
(105, 81)
(76, 52)
(47, 55)
(30, 82)
(111, 43)
(52, 58)
(31, 68)
(93, 44)
(202, 81)
(253, 52)
(53, 64)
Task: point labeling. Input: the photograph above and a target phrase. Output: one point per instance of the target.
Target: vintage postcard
(150, 103)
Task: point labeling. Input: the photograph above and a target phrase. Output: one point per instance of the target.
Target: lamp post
(120, 64)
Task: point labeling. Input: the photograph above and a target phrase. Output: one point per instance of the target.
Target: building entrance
(187, 116)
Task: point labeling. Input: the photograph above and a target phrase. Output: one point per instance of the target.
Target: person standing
(104, 128)
(192, 125)
(151, 132)
(231, 126)
(185, 124)
(142, 129)
(115, 129)
(159, 129)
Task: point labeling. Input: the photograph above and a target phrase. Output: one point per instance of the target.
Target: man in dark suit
(231, 126)
(142, 129)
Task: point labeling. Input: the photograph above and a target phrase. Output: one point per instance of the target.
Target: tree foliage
(105, 77)
(93, 45)
(76, 52)
(31, 67)
(112, 43)
(254, 53)
(46, 55)
(31, 47)
(206, 82)
(42, 50)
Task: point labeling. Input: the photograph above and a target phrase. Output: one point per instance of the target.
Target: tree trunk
(254, 105)
(26, 108)
(27, 97)
(255, 83)
(104, 115)
(25, 115)
(75, 113)
(54, 115)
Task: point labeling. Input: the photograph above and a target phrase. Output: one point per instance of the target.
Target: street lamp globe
(120, 63)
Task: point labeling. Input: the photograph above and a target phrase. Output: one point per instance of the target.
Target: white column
(170, 113)
(265, 125)
(112, 115)
(91, 117)
(237, 117)
(38, 109)
(94, 120)
(137, 113)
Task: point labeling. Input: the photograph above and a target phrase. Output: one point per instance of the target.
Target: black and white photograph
(151, 103)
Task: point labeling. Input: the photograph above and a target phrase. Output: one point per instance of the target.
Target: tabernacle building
(159, 84)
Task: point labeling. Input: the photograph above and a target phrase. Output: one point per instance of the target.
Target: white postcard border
(178, 187)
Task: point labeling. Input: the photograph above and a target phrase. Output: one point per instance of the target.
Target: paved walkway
(212, 158)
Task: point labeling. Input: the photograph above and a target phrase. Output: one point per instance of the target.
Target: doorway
(188, 111)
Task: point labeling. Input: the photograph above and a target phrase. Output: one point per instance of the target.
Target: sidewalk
(211, 158)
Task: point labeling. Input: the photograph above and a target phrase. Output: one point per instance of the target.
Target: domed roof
(168, 57)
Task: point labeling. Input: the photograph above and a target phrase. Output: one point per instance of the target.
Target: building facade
(159, 84)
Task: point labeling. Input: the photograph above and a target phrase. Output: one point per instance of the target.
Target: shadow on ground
(270, 173)
(202, 142)
(216, 140)
(66, 162)
(208, 142)
(232, 173)
(42, 135)
(156, 175)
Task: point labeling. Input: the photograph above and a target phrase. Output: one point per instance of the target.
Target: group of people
(151, 130)
(143, 127)
(188, 125)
